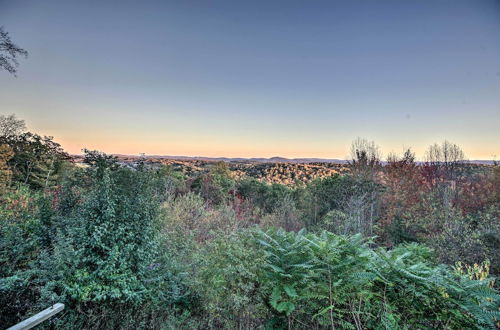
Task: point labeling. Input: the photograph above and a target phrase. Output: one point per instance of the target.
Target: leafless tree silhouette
(9, 53)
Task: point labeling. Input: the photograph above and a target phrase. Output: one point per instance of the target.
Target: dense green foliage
(338, 281)
(400, 246)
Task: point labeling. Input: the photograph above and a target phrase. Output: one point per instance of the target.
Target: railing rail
(38, 318)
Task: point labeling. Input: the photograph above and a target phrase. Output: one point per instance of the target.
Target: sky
(257, 78)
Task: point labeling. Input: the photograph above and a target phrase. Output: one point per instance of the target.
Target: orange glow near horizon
(120, 143)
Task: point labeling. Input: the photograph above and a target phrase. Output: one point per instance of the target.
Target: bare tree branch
(9, 53)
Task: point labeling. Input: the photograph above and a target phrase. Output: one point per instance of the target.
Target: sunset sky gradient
(257, 78)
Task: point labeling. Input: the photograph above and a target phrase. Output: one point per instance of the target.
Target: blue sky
(257, 78)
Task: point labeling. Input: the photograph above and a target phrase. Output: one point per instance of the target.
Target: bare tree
(9, 53)
(11, 126)
(358, 213)
(397, 161)
(446, 158)
(444, 170)
(365, 158)
(447, 153)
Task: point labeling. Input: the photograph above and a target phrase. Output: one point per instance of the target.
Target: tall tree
(11, 126)
(37, 159)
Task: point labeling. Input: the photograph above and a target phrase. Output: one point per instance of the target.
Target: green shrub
(338, 281)
(227, 281)
(19, 249)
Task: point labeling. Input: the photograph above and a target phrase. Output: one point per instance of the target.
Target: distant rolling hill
(275, 159)
(251, 160)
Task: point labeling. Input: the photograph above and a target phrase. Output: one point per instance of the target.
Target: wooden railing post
(38, 318)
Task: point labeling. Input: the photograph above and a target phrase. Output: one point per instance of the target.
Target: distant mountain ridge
(275, 159)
